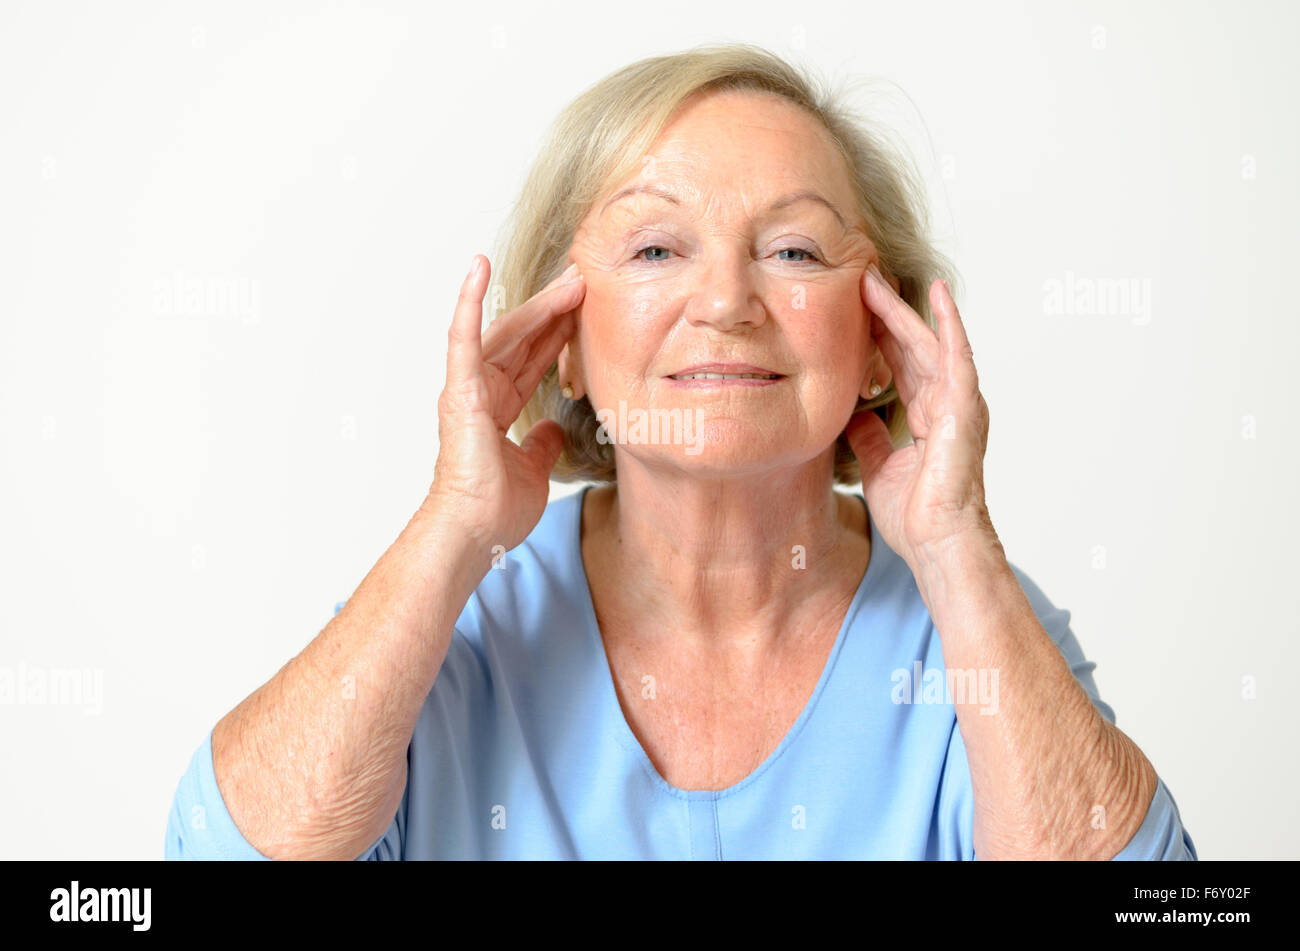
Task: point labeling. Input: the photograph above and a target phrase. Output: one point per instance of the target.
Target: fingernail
(570, 273)
(473, 268)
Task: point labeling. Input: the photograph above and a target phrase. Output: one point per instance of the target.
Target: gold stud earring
(567, 391)
(875, 388)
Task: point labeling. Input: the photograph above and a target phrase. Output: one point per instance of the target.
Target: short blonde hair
(602, 136)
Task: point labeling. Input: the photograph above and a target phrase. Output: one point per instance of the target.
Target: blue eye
(808, 255)
(653, 247)
(803, 251)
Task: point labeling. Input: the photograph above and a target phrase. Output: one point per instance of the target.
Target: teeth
(726, 376)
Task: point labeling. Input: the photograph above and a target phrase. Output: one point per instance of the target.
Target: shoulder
(549, 558)
(1056, 621)
(524, 616)
(534, 584)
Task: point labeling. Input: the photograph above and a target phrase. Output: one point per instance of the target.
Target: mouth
(715, 374)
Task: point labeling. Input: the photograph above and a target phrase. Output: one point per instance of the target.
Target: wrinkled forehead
(728, 159)
(727, 207)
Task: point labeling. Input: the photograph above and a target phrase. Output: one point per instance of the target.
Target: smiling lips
(726, 374)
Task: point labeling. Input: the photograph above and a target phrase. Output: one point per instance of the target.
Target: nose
(724, 296)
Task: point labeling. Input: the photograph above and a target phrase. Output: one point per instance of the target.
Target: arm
(312, 765)
(1042, 764)
(1048, 757)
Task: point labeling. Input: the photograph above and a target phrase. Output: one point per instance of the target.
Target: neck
(725, 562)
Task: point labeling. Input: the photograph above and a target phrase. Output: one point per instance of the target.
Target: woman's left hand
(931, 493)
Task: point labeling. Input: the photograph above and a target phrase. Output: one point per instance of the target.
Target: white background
(184, 496)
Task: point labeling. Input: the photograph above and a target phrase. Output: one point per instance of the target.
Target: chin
(712, 457)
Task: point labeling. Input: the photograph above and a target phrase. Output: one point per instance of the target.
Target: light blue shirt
(522, 751)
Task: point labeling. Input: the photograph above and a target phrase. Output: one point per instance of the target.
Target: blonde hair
(602, 136)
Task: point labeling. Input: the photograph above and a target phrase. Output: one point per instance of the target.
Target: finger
(542, 355)
(906, 374)
(524, 323)
(958, 357)
(909, 373)
(904, 323)
(465, 336)
(543, 444)
(869, 437)
(563, 293)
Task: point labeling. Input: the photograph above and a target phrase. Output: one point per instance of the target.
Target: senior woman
(712, 652)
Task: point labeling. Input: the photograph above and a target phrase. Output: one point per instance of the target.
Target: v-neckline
(628, 739)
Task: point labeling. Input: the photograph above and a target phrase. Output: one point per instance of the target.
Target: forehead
(760, 119)
(735, 152)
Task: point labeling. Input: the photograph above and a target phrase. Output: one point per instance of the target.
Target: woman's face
(720, 257)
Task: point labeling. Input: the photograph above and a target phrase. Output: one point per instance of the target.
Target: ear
(887, 275)
(570, 370)
(877, 370)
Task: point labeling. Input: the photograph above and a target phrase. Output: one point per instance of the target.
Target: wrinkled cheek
(639, 307)
(830, 332)
(609, 376)
(618, 336)
(834, 358)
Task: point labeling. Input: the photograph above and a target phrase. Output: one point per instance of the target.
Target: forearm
(312, 765)
(1047, 758)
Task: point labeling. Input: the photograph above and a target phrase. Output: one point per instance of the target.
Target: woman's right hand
(484, 483)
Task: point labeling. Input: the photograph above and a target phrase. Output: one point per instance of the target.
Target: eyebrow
(782, 202)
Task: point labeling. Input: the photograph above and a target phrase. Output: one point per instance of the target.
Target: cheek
(620, 330)
(829, 335)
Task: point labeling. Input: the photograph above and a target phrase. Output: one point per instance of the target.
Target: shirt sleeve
(199, 826)
(1161, 836)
